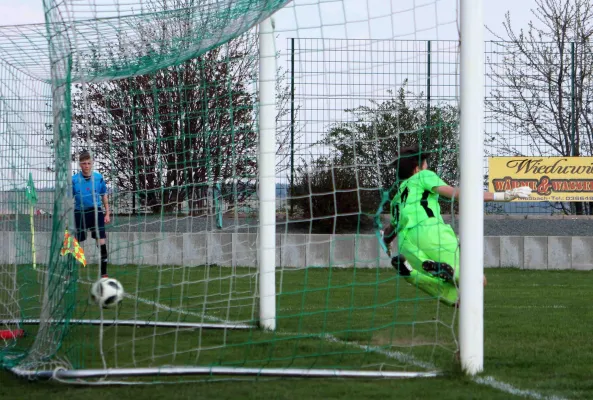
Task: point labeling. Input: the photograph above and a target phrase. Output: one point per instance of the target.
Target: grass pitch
(537, 335)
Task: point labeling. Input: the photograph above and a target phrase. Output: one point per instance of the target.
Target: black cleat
(439, 270)
(399, 263)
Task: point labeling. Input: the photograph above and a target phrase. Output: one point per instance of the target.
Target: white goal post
(310, 321)
(267, 176)
(471, 228)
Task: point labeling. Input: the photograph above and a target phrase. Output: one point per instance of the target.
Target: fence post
(291, 120)
(572, 99)
(428, 68)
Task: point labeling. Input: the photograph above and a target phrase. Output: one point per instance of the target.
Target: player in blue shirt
(89, 189)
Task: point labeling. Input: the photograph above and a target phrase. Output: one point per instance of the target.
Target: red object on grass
(11, 334)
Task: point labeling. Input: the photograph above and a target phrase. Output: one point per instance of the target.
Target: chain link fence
(537, 98)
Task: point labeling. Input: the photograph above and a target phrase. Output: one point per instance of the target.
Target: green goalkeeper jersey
(415, 201)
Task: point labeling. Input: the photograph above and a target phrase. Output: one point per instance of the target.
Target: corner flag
(31, 195)
(71, 246)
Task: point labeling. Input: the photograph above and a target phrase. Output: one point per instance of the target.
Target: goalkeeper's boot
(440, 270)
(401, 265)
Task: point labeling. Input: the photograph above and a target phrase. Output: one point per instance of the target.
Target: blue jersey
(85, 195)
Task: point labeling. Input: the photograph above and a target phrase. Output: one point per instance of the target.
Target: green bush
(331, 199)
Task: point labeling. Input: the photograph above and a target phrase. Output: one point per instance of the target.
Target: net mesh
(164, 95)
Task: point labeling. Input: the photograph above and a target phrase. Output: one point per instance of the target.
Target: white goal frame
(471, 221)
(471, 207)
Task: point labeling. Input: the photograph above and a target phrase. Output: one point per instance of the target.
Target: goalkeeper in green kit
(428, 247)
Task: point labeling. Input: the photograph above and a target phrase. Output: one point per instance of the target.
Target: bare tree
(170, 135)
(542, 84)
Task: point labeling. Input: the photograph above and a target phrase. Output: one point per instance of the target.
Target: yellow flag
(71, 246)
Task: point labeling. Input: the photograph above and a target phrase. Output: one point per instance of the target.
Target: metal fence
(329, 78)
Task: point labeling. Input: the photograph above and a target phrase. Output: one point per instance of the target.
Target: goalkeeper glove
(522, 192)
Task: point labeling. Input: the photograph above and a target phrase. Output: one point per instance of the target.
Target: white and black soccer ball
(107, 292)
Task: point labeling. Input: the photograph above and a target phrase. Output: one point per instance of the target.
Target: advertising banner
(550, 178)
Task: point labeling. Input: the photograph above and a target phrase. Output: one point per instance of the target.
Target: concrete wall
(299, 250)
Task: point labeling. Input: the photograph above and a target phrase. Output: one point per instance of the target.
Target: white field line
(167, 308)
(485, 380)
(396, 355)
(507, 388)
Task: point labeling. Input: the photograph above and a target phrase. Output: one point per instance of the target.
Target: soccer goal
(246, 149)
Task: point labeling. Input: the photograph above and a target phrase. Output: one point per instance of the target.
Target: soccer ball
(107, 292)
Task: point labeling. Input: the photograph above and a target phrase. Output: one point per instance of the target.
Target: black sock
(103, 259)
(398, 262)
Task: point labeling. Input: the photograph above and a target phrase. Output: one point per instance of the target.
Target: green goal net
(245, 147)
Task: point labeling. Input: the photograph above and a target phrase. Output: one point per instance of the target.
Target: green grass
(537, 334)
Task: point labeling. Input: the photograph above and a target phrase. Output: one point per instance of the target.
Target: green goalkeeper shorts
(431, 241)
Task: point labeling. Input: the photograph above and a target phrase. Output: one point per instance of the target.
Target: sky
(337, 19)
(353, 19)
(16, 12)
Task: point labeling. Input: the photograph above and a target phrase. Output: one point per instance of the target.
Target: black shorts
(85, 220)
